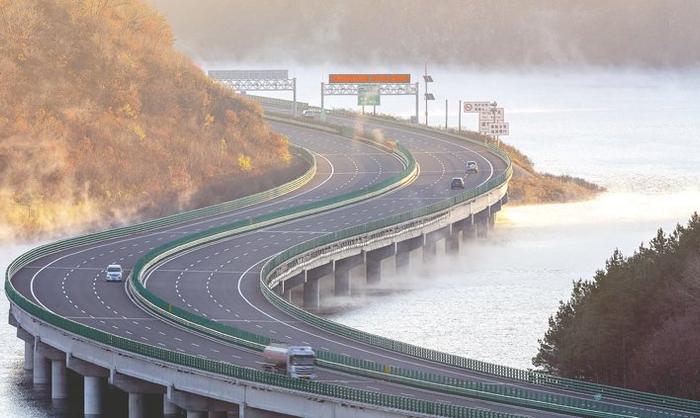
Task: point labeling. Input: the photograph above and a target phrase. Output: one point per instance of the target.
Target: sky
(498, 34)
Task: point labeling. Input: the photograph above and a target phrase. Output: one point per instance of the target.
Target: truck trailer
(295, 361)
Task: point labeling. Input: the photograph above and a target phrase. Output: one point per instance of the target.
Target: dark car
(457, 183)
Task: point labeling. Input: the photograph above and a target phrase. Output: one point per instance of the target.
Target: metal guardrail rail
(223, 368)
(526, 398)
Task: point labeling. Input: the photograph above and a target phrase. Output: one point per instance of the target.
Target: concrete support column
(287, 294)
(169, 409)
(92, 394)
(492, 220)
(196, 414)
(469, 231)
(342, 282)
(403, 261)
(452, 243)
(59, 384)
(373, 268)
(28, 355)
(429, 251)
(482, 228)
(137, 407)
(41, 368)
(312, 294)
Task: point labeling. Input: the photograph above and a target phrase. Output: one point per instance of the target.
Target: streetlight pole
(446, 114)
(428, 96)
(459, 118)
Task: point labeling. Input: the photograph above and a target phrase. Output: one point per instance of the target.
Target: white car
(310, 113)
(114, 273)
(472, 167)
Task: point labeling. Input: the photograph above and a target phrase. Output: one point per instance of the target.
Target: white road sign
(495, 115)
(499, 129)
(477, 107)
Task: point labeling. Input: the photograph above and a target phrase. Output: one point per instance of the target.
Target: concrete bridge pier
(137, 390)
(430, 243)
(28, 355)
(28, 345)
(403, 252)
(468, 228)
(286, 286)
(373, 263)
(342, 273)
(312, 289)
(59, 384)
(452, 241)
(93, 387)
(170, 410)
(482, 222)
(41, 369)
(57, 359)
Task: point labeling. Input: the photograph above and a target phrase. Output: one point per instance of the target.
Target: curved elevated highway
(219, 281)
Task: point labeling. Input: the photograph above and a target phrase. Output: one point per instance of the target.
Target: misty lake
(635, 133)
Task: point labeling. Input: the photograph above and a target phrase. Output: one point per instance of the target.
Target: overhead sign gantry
(258, 80)
(369, 87)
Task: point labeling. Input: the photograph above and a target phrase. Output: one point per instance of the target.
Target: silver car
(472, 167)
(114, 273)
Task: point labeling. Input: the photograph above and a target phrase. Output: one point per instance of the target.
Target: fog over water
(634, 132)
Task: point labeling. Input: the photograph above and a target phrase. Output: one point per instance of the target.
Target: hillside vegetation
(101, 119)
(637, 323)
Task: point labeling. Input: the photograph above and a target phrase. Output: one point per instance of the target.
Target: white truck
(294, 361)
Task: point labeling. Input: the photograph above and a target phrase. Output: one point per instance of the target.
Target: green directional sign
(368, 95)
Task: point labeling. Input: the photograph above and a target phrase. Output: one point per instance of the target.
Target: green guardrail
(446, 358)
(165, 308)
(223, 368)
(226, 369)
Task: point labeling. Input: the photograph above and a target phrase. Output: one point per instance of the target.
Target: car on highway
(472, 167)
(457, 183)
(114, 273)
(310, 113)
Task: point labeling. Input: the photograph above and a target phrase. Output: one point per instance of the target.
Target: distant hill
(499, 34)
(101, 121)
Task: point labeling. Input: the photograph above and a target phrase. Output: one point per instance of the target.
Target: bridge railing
(198, 363)
(516, 374)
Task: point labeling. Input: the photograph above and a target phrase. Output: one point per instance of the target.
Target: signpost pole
(374, 110)
(417, 103)
(446, 114)
(459, 118)
(426, 93)
(322, 97)
(294, 90)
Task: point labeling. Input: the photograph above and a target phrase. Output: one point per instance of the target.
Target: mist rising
(496, 34)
